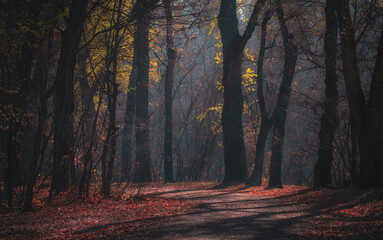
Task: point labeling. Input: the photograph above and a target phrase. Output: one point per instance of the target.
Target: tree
(63, 152)
(111, 61)
(127, 132)
(143, 166)
(267, 121)
(365, 117)
(290, 60)
(169, 79)
(233, 47)
(39, 147)
(376, 107)
(329, 120)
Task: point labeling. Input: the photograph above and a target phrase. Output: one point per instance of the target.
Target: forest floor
(202, 211)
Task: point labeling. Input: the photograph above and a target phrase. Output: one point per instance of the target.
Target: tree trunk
(266, 122)
(9, 167)
(280, 112)
(127, 132)
(63, 152)
(376, 108)
(112, 100)
(42, 76)
(143, 167)
(169, 79)
(103, 160)
(89, 116)
(233, 46)
(329, 120)
(359, 114)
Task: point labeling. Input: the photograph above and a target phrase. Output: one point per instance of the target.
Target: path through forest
(201, 211)
(225, 214)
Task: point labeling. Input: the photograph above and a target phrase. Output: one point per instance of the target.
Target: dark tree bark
(375, 105)
(266, 122)
(16, 71)
(143, 161)
(233, 46)
(280, 112)
(88, 114)
(127, 132)
(63, 152)
(169, 79)
(143, 165)
(127, 146)
(44, 94)
(329, 120)
(9, 166)
(103, 157)
(107, 165)
(359, 114)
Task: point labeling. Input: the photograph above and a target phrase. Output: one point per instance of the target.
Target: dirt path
(203, 211)
(225, 215)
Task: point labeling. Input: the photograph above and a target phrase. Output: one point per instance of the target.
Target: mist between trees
(264, 92)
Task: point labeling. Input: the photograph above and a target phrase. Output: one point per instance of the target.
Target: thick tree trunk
(143, 167)
(63, 152)
(329, 120)
(234, 148)
(359, 114)
(266, 122)
(169, 79)
(280, 112)
(127, 132)
(376, 108)
(233, 46)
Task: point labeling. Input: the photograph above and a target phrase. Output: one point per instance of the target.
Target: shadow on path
(231, 215)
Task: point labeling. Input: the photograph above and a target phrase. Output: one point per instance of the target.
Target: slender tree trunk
(113, 139)
(103, 158)
(63, 152)
(233, 46)
(33, 170)
(42, 72)
(88, 157)
(280, 113)
(266, 122)
(169, 79)
(89, 115)
(354, 173)
(112, 101)
(329, 120)
(9, 168)
(143, 167)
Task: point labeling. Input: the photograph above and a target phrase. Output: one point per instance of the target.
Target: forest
(185, 119)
